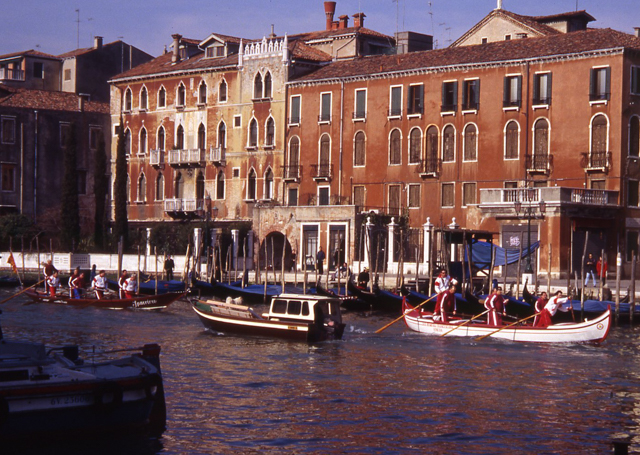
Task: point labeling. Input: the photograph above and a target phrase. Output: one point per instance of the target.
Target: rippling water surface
(395, 392)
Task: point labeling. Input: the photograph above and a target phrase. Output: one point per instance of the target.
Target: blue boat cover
(481, 254)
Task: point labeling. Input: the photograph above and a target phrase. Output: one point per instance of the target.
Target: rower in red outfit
(495, 304)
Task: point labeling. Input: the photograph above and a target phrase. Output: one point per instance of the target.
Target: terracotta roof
(501, 51)
(303, 51)
(162, 64)
(530, 22)
(569, 15)
(47, 100)
(31, 53)
(324, 34)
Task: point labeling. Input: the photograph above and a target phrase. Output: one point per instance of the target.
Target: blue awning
(481, 254)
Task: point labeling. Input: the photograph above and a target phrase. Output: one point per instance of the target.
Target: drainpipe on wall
(341, 145)
(35, 173)
(21, 168)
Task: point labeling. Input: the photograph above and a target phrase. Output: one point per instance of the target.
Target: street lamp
(529, 211)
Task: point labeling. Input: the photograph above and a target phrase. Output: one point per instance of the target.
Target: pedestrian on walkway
(590, 268)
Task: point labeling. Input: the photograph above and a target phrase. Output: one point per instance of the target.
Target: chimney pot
(358, 19)
(344, 21)
(175, 57)
(637, 30)
(329, 11)
(97, 42)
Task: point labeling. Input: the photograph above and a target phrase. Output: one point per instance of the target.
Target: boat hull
(145, 302)
(594, 331)
(289, 330)
(45, 398)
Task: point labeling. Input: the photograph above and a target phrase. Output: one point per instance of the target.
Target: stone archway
(271, 252)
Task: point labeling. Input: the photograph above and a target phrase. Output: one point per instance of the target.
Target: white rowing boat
(593, 331)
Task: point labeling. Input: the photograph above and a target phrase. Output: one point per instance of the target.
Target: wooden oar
(396, 320)
(465, 323)
(507, 326)
(24, 290)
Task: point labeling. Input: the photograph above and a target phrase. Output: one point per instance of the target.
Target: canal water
(391, 393)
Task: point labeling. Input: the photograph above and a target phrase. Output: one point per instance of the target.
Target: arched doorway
(271, 252)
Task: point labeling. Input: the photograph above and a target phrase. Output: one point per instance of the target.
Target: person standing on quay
(320, 257)
(168, 267)
(590, 267)
(601, 268)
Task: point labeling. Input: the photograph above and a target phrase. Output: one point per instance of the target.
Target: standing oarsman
(442, 285)
(539, 306)
(495, 305)
(73, 276)
(48, 271)
(448, 304)
(54, 283)
(122, 284)
(77, 285)
(100, 284)
(131, 286)
(550, 309)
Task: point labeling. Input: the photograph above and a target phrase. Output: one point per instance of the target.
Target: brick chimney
(344, 21)
(637, 31)
(97, 42)
(175, 58)
(358, 20)
(329, 11)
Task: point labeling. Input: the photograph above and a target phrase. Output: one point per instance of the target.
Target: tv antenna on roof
(78, 21)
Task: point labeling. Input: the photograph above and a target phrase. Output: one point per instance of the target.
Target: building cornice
(175, 73)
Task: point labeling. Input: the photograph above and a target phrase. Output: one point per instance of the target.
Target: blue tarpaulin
(481, 254)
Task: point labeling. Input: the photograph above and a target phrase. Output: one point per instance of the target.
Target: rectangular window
(415, 102)
(471, 95)
(8, 130)
(292, 197)
(38, 70)
(323, 195)
(395, 101)
(542, 89)
(512, 94)
(511, 185)
(65, 130)
(8, 177)
(295, 110)
(414, 197)
(598, 185)
(361, 105)
(635, 80)
(632, 245)
(449, 96)
(82, 181)
(447, 195)
(633, 193)
(237, 121)
(468, 194)
(67, 75)
(325, 107)
(600, 86)
(94, 137)
(394, 199)
(359, 198)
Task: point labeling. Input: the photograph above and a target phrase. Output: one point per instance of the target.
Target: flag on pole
(12, 262)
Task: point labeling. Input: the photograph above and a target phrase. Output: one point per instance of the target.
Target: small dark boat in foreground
(7, 281)
(299, 317)
(142, 302)
(54, 394)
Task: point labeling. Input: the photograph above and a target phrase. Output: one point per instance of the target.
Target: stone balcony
(501, 202)
(11, 74)
(183, 207)
(187, 157)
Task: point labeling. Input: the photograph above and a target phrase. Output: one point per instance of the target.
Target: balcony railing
(322, 171)
(156, 157)
(556, 195)
(596, 161)
(291, 173)
(186, 157)
(217, 154)
(429, 167)
(179, 205)
(11, 74)
(539, 163)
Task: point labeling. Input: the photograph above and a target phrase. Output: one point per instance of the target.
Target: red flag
(12, 262)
